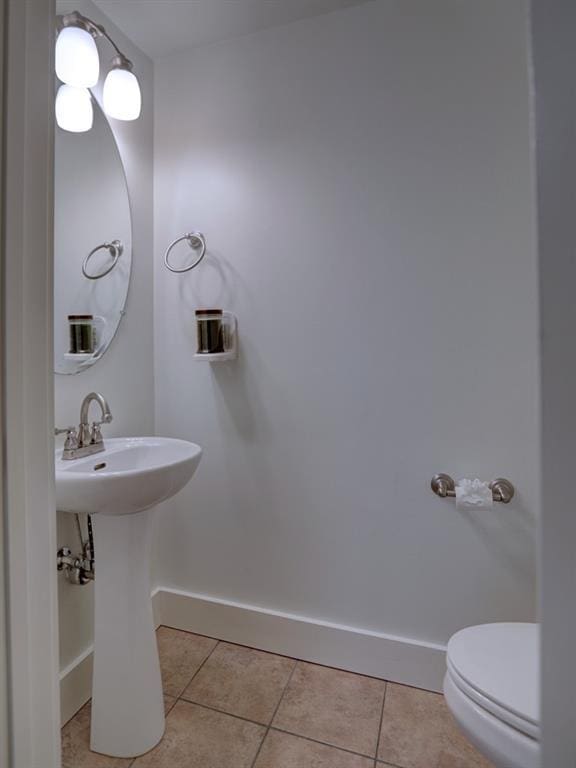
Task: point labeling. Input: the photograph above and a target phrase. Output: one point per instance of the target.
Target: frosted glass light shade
(121, 95)
(74, 110)
(77, 61)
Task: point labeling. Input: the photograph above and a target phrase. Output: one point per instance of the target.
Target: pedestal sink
(119, 486)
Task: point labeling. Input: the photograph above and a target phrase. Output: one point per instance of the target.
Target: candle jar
(215, 330)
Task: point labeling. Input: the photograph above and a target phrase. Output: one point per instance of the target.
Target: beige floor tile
(201, 738)
(76, 745)
(336, 707)
(169, 702)
(181, 655)
(281, 750)
(419, 732)
(241, 681)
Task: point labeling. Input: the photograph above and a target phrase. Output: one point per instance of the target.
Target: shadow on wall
(252, 433)
(238, 391)
(508, 533)
(210, 285)
(213, 285)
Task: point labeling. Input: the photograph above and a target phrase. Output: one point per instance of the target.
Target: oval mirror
(92, 244)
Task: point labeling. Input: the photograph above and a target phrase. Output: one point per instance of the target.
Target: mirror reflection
(92, 244)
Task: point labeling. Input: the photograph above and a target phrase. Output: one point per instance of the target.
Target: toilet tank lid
(501, 661)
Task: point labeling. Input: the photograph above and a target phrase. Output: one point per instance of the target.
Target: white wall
(364, 183)
(125, 374)
(554, 24)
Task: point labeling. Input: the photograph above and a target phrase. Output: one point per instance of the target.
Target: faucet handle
(61, 431)
(95, 432)
(71, 441)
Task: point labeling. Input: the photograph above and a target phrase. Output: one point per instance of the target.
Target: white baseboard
(75, 685)
(399, 659)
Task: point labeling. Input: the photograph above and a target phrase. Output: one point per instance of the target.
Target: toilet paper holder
(444, 485)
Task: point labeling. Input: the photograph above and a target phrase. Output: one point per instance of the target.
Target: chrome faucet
(86, 440)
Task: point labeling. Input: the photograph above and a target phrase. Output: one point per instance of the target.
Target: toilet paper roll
(473, 494)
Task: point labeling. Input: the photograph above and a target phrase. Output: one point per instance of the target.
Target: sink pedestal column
(127, 699)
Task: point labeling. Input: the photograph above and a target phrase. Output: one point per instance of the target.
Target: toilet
(492, 690)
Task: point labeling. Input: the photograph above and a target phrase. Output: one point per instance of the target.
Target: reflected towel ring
(116, 250)
(197, 241)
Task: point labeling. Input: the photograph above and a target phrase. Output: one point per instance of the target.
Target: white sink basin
(132, 474)
(118, 486)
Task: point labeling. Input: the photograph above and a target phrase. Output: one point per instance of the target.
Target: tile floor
(233, 707)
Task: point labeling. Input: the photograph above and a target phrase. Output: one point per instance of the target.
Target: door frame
(553, 32)
(4, 718)
(27, 386)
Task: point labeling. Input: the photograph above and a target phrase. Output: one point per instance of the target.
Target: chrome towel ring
(197, 241)
(116, 249)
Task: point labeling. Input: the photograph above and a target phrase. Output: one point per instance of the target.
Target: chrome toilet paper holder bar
(444, 485)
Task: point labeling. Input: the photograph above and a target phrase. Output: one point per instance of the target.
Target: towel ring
(116, 249)
(197, 241)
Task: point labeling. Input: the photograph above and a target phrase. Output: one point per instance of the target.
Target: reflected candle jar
(82, 334)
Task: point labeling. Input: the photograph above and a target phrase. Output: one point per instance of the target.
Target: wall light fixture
(78, 67)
